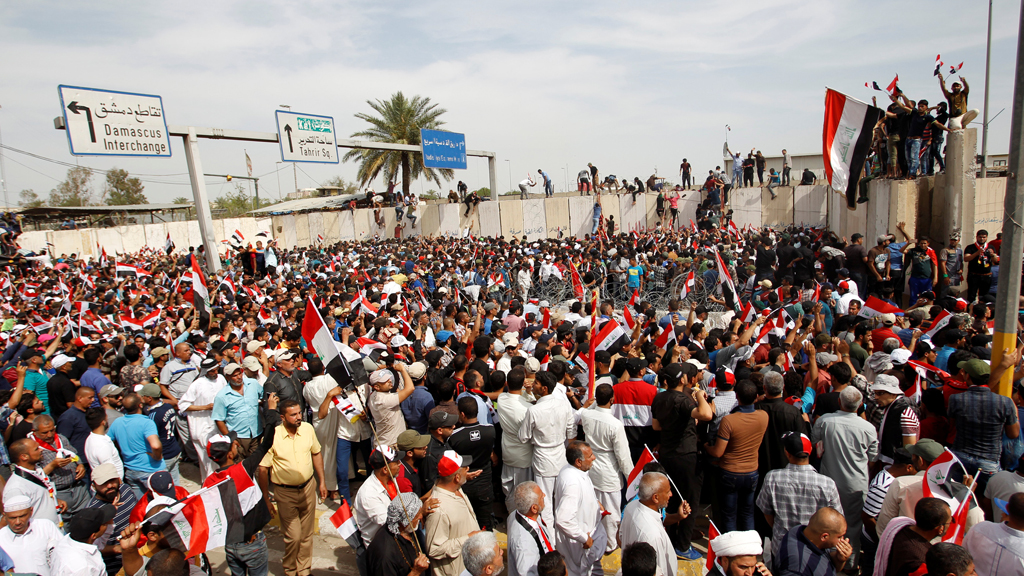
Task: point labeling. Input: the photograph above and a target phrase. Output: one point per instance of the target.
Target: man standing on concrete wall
(787, 164)
(549, 188)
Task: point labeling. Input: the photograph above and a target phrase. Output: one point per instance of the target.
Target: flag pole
(674, 487)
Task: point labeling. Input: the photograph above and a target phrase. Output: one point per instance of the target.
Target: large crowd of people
(828, 406)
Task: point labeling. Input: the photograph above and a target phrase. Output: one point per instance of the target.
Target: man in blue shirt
(953, 339)
(138, 440)
(597, 215)
(93, 377)
(417, 407)
(236, 408)
(634, 276)
(896, 265)
(549, 188)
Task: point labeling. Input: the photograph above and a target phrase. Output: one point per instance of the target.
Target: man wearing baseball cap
(61, 388)
(76, 553)
(448, 527)
(109, 490)
(441, 425)
(791, 495)
(285, 380)
(905, 491)
(165, 417)
(982, 417)
(412, 449)
(236, 408)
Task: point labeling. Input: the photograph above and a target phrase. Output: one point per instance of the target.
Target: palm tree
(398, 121)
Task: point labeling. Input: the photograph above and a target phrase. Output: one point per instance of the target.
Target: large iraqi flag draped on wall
(847, 140)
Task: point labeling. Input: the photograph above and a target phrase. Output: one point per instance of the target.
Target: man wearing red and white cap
(791, 495)
(453, 521)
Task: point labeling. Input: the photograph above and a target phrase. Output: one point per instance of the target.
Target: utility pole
(984, 120)
(295, 173)
(1008, 291)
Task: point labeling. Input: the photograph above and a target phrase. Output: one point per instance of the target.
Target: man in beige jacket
(453, 521)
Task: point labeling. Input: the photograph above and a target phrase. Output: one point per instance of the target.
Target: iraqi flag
(319, 338)
(937, 482)
(957, 529)
(368, 346)
(627, 315)
(209, 518)
(131, 324)
(249, 493)
(364, 305)
(264, 316)
(127, 270)
(667, 335)
(724, 277)
(577, 282)
(633, 481)
(237, 238)
(346, 524)
(876, 307)
(169, 245)
(712, 534)
(200, 294)
(748, 313)
(846, 141)
(687, 285)
(939, 323)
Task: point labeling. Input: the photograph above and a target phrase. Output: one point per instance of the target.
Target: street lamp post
(984, 120)
(278, 171)
(3, 173)
(509, 173)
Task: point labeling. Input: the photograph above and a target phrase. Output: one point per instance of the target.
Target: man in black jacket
(251, 553)
(476, 440)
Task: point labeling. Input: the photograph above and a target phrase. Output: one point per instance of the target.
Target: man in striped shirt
(901, 466)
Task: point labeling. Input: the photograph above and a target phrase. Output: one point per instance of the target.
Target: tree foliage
(76, 190)
(121, 190)
(237, 202)
(398, 121)
(29, 199)
(346, 187)
(180, 200)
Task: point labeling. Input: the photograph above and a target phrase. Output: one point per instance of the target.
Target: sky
(632, 87)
